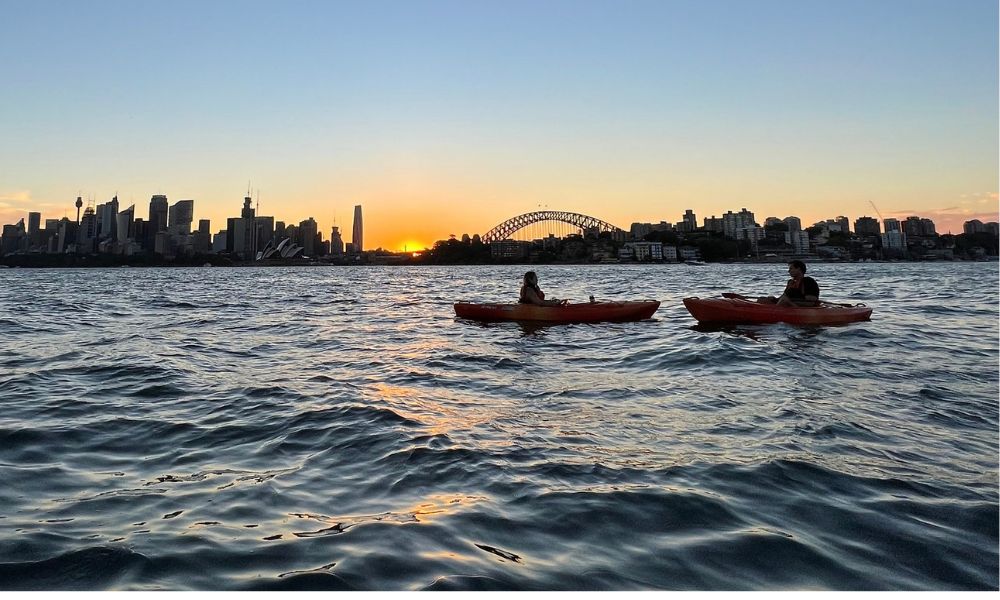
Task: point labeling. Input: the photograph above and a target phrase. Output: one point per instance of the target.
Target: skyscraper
(358, 234)
(180, 218)
(157, 219)
(336, 243)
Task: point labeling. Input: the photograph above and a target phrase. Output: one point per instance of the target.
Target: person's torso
(806, 286)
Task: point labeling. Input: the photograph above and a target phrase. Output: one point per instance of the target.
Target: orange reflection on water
(434, 413)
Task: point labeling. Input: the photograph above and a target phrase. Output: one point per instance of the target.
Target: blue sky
(446, 117)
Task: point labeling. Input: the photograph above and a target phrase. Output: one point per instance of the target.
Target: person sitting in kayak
(532, 294)
(800, 291)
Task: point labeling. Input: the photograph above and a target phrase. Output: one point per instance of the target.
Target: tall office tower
(180, 217)
(126, 227)
(357, 236)
(107, 217)
(202, 243)
(867, 226)
(336, 242)
(87, 235)
(34, 222)
(157, 220)
(307, 234)
(279, 231)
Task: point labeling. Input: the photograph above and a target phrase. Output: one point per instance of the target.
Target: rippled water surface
(339, 428)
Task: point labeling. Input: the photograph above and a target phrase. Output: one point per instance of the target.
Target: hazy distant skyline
(449, 117)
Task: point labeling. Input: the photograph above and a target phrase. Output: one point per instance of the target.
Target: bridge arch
(510, 226)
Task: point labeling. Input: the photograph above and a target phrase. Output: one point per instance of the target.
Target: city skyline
(439, 125)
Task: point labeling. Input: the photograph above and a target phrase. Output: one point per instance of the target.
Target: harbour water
(339, 428)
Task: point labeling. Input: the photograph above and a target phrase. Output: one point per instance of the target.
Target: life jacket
(524, 300)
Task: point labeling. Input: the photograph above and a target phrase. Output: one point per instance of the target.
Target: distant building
(733, 222)
(794, 223)
(714, 224)
(308, 234)
(180, 217)
(157, 220)
(645, 251)
(357, 234)
(867, 226)
(973, 226)
(690, 221)
(336, 242)
(798, 240)
(890, 225)
(894, 240)
(845, 224)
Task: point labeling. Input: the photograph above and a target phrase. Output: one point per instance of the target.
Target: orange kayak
(585, 312)
(730, 310)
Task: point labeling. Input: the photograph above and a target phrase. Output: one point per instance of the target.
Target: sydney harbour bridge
(542, 223)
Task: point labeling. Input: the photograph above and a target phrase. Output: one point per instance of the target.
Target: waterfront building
(772, 221)
(357, 234)
(890, 225)
(794, 223)
(927, 227)
(866, 226)
(646, 251)
(752, 234)
(87, 235)
(509, 249)
(844, 223)
(993, 227)
(689, 253)
(669, 253)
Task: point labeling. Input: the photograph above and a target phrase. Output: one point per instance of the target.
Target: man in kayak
(800, 291)
(532, 294)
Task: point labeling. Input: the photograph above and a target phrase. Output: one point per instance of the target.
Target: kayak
(732, 310)
(584, 312)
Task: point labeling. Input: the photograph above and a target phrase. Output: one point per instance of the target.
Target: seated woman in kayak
(800, 291)
(532, 294)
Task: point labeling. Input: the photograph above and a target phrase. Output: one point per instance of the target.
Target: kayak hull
(727, 310)
(588, 312)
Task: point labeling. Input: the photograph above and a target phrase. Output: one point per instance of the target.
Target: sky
(449, 117)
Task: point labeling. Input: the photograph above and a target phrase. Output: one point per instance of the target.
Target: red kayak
(734, 310)
(587, 312)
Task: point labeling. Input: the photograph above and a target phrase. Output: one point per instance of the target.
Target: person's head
(530, 278)
(796, 268)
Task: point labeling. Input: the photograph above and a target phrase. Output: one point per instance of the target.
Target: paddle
(733, 296)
